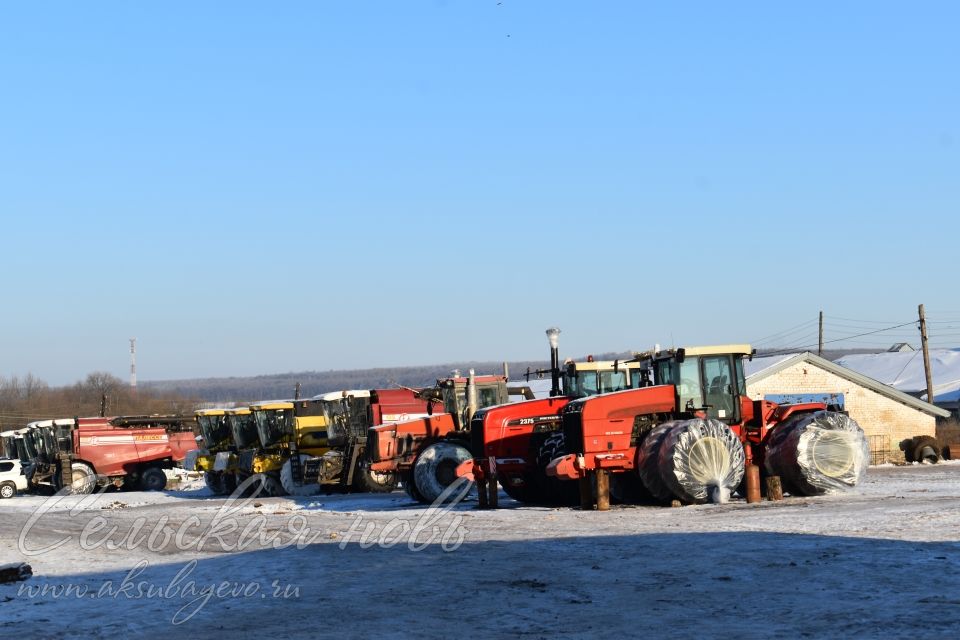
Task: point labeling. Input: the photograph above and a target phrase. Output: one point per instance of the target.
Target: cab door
(720, 388)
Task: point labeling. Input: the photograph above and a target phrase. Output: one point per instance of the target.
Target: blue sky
(268, 187)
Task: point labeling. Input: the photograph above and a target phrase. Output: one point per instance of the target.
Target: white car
(11, 478)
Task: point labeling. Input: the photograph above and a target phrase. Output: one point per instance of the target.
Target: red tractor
(690, 433)
(128, 451)
(427, 451)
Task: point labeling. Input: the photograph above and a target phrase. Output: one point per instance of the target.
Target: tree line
(28, 398)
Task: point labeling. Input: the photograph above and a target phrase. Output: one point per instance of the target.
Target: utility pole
(926, 355)
(820, 348)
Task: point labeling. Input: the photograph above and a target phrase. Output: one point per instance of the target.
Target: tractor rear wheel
(926, 449)
(84, 478)
(410, 487)
(434, 472)
(153, 479)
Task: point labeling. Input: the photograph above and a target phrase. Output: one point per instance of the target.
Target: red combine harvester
(689, 435)
(126, 451)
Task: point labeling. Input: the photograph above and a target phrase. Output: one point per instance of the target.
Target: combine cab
(218, 457)
(127, 451)
(308, 445)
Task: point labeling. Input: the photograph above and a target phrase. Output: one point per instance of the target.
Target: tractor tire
(817, 453)
(272, 487)
(290, 485)
(215, 482)
(648, 463)
(84, 478)
(8, 490)
(229, 483)
(410, 487)
(374, 481)
(702, 461)
(153, 479)
(434, 472)
(926, 449)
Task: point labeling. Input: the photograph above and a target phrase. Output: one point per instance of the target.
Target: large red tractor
(689, 435)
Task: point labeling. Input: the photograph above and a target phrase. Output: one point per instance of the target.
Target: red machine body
(114, 450)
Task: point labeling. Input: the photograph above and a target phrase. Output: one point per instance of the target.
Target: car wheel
(8, 490)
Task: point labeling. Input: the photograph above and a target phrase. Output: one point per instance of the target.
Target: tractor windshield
(685, 376)
(214, 429)
(273, 425)
(590, 383)
(243, 426)
(455, 400)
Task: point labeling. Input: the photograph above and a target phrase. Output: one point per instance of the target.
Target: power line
(868, 333)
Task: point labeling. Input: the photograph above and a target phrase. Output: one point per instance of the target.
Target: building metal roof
(847, 374)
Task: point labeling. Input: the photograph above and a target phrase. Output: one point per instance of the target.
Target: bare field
(884, 560)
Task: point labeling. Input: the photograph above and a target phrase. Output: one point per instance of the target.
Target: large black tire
(702, 461)
(628, 488)
(549, 490)
(374, 481)
(434, 471)
(153, 479)
(84, 478)
(648, 463)
(272, 487)
(8, 490)
(215, 482)
(926, 449)
(410, 487)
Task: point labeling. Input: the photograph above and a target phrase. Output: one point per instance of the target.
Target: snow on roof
(758, 364)
(904, 371)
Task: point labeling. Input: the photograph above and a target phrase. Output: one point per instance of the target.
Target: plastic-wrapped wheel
(272, 487)
(84, 478)
(817, 453)
(435, 471)
(926, 449)
(290, 486)
(648, 462)
(701, 461)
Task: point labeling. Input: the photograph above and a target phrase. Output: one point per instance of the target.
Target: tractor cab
(454, 394)
(214, 428)
(709, 381)
(590, 378)
(243, 427)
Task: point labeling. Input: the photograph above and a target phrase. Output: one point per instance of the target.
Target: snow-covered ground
(883, 561)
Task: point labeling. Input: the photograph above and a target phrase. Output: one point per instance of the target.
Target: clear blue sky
(269, 187)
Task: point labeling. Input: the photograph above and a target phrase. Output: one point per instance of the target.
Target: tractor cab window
(741, 379)
(273, 425)
(244, 429)
(580, 384)
(214, 429)
(685, 376)
(719, 386)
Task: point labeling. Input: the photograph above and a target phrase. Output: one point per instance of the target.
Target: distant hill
(282, 385)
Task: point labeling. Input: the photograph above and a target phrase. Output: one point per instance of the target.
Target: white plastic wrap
(701, 461)
(818, 453)
(648, 462)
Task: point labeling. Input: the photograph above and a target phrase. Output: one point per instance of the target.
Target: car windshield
(273, 425)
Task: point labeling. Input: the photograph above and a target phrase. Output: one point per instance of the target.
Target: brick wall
(876, 414)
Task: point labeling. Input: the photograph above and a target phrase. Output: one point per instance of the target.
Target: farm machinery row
(665, 425)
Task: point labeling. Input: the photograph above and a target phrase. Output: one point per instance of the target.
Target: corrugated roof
(847, 374)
